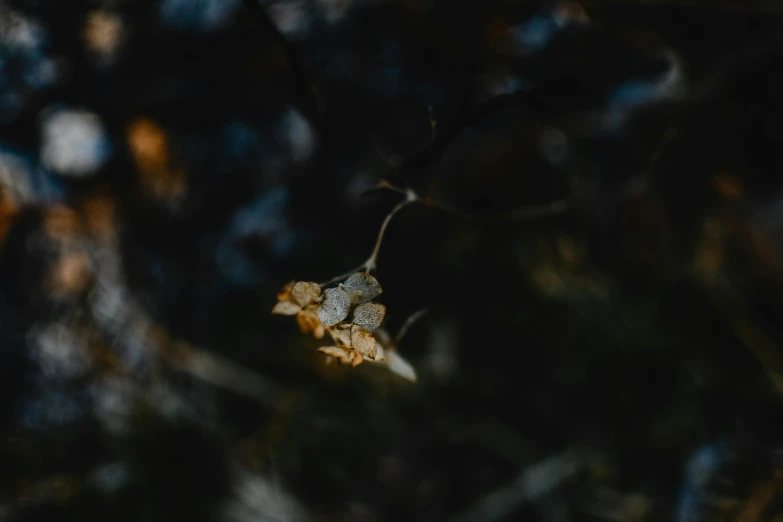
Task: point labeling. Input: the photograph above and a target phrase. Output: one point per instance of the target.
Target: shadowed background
(166, 166)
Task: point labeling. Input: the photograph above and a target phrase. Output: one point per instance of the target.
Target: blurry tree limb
(437, 144)
(306, 90)
(409, 322)
(533, 482)
(759, 6)
(226, 374)
(731, 306)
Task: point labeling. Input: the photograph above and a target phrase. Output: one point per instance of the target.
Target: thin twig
(439, 144)
(554, 208)
(559, 206)
(372, 262)
(385, 185)
(409, 322)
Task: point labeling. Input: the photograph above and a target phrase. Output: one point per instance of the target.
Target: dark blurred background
(166, 166)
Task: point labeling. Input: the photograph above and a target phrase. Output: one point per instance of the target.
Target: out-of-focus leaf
(397, 364)
(286, 308)
(369, 315)
(363, 342)
(309, 323)
(362, 287)
(305, 293)
(380, 353)
(344, 355)
(335, 306)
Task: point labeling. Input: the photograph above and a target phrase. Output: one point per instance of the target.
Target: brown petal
(343, 335)
(363, 342)
(285, 293)
(305, 293)
(369, 315)
(286, 308)
(309, 323)
(335, 306)
(357, 359)
(362, 287)
(344, 355)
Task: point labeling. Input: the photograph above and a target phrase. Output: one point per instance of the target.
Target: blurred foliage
(166, 166)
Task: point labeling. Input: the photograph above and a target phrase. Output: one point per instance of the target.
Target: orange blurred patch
(728, 186)
(709, 255)
(498, 38)
(60, 222)
(160, 178)
(70, 270)
(102, 32)
(71, 273)
(8, 211)
(98, 215)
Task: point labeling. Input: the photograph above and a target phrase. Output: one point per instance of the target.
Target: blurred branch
(372, 262)
(226, 374)
(438, 144)
(760, 7)
(409, 322)
(533, 482)
(306, 90)
(735, 312)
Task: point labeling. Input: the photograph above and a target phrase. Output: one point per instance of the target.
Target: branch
(372, 262)
(226, 374)
(306, 90)
(409, 322)
(437, 145)
(532, 483)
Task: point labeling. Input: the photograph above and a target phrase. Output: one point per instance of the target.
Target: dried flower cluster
(346, 312)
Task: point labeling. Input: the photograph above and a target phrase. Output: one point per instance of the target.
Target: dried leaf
(369, 315)
(340, 334)
(344, 355)
(305, 293)
(362, 287)
(363, 342)
(285, 293)
(357, 359)
(309, 323)
(286, 308)
(335, 306)
(397, 364)
(343, 335)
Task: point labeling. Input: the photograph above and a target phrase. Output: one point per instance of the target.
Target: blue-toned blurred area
(167, 166)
